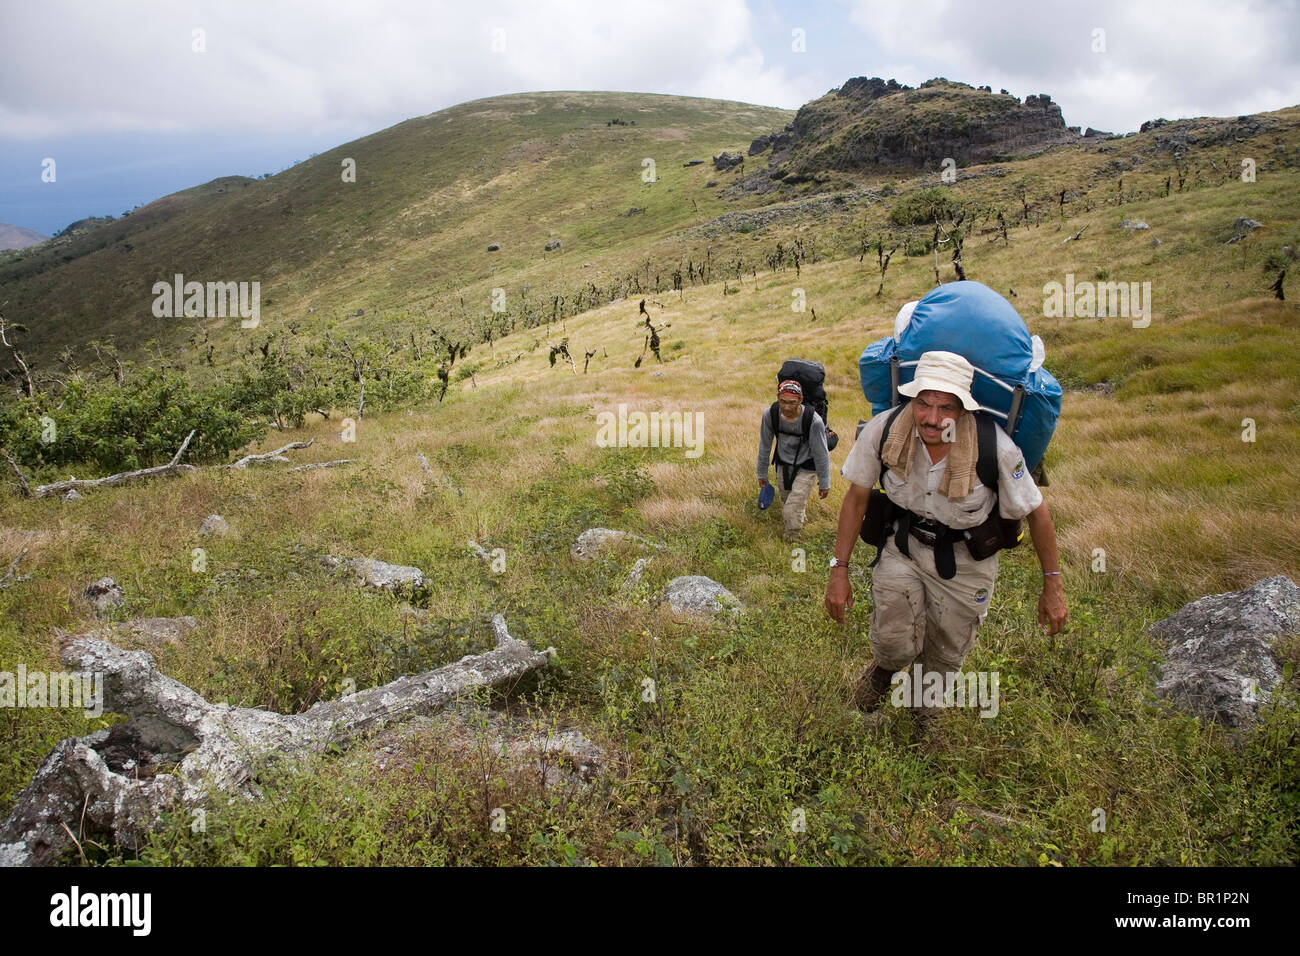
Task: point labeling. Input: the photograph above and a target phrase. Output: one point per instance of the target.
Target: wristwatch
(837, 563)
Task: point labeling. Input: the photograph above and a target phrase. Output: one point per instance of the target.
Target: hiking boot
(872, 687)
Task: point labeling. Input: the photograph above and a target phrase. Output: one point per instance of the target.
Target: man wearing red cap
(801, 455)
(929, 593)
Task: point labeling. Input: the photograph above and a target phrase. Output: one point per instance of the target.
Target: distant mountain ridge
(17, 237)
(565, 200)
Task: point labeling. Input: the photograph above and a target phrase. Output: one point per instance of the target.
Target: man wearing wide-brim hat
(931, 594)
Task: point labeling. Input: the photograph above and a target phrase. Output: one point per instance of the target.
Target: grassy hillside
(411, 233)
(750, 722)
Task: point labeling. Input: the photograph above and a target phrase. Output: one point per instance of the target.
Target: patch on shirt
(981, 595)
(1019, 470)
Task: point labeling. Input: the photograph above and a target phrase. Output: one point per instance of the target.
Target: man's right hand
(839, 594)
(762, 482)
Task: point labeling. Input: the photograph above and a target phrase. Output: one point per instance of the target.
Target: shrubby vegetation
(139, 423)
(116, 417)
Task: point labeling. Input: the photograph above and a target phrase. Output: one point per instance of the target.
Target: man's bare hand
(823, 492)
(839, 594)
(1052, 611)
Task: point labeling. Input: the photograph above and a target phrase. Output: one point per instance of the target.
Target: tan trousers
(917, 614)
(794, 510)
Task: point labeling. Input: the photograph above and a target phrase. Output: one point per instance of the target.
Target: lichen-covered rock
(381, 574)
(214, 524)
(697, 594)
(1220, 661)
(1243, 227)
(153, 632)
(634, 576)
(593, 539)
(104, 594)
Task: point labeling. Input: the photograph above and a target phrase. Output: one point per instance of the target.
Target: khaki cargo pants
(795, 500)
(918, 615)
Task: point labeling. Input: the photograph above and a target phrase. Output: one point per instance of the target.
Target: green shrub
(922, 208)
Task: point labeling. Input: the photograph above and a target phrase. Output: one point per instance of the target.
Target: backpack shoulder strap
(806, 423)
(986, 465)
(774, 417)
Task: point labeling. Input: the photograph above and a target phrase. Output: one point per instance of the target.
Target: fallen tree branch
(119, 779)
(174, 467)
(277, 455)
(13, 566)
(22, 480)
(323, 464)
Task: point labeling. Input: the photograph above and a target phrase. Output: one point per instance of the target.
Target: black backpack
(811, 377)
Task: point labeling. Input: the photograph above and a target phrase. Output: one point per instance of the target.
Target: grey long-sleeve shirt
(789, 442)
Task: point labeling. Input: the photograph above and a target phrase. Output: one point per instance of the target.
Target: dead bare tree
(19, 362)
(563, 349)
(882, 262)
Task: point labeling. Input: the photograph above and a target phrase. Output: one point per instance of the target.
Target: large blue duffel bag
(972, 320)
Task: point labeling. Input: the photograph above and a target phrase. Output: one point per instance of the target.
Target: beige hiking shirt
(1017, 493)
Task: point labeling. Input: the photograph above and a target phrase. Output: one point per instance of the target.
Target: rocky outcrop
(725, 161)
(1220, 661)
(873, 123)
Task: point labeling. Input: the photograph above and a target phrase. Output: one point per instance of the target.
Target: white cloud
(319, 68)
(1162, 57)
(69, 67)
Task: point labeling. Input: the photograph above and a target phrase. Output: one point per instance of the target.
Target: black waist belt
(927, 532)
(932, 533)
(788, 469)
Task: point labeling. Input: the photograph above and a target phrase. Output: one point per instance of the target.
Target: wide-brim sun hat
(943, 372)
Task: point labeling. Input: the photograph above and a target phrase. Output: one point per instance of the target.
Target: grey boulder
(697, 594)
(1220, 660)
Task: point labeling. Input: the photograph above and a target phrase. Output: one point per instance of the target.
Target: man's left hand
(1052, 611)
(823, 492)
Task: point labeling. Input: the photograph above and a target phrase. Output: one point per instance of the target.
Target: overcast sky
(117, 93)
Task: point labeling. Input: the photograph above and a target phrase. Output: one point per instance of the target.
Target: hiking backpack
(977, 323)
(811, 377)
